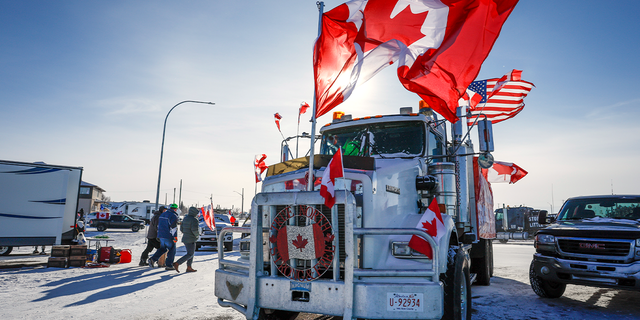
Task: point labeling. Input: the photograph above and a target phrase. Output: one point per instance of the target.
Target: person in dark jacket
(190, 234)
(152, 236)
(168, 234)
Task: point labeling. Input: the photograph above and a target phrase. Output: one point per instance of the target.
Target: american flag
(501, 105)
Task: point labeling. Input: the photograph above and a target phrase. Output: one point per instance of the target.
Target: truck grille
(595, 247)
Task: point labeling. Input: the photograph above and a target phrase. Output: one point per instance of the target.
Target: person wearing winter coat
(168, 234)
(190, 233)
(152, 236)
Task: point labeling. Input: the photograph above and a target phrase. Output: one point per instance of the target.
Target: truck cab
(353, 259)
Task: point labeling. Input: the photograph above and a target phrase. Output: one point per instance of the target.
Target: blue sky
(88, 83)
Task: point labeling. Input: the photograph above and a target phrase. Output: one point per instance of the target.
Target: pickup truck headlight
(545, 239)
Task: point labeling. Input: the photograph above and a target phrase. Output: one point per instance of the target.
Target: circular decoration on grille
(302, 234)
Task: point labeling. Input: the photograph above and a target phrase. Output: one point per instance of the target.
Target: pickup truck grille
(595, 247)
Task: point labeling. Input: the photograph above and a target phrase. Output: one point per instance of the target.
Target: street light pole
(242, 204)
(162, 147)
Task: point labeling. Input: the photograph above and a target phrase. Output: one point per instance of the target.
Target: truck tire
(545, 288)
(491, 249)
(503, 240)
(228, 246)
(482, 266)
(197, 247)
(4, 251)
(457, 287)
(101, 227)
(135, 228)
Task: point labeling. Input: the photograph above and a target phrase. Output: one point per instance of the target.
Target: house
(90, 197)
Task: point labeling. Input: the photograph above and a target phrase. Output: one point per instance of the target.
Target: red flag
(303, 109)
(439, 47)
(277, 117)
(431, 222)
(334, 170)
(504, 172)
(209, 219)
(501, 99)
(259, 166)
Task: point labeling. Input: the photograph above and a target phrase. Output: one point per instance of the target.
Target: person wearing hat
(190, 234)
(152, 236)
(168, 234)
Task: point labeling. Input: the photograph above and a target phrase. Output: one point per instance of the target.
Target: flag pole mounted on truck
(409, 225)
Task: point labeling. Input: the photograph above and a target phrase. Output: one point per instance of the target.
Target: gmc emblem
(587, 245)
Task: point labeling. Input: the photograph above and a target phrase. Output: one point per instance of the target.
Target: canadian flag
(277, 118)
(327, 186)
(259, 166)
(303, 109)
(432, 223)
(103, 215)
(305, 243)
(209, 219)
(438, 47)
(504, 172)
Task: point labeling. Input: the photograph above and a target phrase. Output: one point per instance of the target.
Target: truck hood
(595, 228)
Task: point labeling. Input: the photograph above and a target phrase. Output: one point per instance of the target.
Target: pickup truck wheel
(457, 287)
(483, 265)
(101, 227)
(545, 288)
(4, 251)
(503, 240)
(135, 228)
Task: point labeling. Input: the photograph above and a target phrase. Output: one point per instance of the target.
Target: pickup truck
(209, 237)
(120, 221)
(595, 241)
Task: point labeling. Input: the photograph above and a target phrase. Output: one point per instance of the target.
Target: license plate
(404, 301)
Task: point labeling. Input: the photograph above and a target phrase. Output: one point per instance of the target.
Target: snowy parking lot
(133, 292)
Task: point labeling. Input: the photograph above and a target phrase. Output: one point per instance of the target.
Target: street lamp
(242, 204)
(162, 147)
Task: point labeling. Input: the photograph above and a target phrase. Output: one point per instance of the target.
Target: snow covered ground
(127, 291)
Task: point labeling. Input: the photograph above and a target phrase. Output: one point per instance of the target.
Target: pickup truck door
(116, 221)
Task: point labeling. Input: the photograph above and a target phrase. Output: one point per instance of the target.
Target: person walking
(190, 233)
(152, 236)
(168, 234)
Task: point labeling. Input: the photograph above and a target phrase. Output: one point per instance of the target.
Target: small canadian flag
(432, 223)
(103, 215)
(334, 170)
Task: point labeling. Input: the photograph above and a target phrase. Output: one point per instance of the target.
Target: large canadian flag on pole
(438, 46)
(327, 186)
(432, 223)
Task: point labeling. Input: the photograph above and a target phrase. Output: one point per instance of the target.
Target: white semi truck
(353, 259)
(38, 204)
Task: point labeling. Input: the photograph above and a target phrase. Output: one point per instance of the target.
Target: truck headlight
(545, 239)
(245, 246)
(402, 250)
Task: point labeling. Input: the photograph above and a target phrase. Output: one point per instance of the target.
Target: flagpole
(311, 180)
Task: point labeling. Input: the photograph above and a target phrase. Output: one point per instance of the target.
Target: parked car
(209, 237)
(119, 221)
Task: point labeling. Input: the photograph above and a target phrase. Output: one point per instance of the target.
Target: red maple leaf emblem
(299, 243)
(273, 239)
(431, 228)
(329, 237)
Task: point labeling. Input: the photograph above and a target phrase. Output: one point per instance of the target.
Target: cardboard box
(77, 261)
(57, 262)
(77, 250)
(60, 251)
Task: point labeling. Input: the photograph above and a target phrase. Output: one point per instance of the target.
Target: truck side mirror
(542, 217)
(485, 135)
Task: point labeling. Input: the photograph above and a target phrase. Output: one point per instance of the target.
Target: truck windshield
(390, 139)
(610, 207)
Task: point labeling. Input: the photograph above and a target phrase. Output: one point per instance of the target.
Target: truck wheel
(503, 240)
(545, 288)
(197, 247)
(277, 315)
(482, 266)
(101, 227)
(457, 287)
(491, 250)
(4, 251)
(135, 228)
(228, 246)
